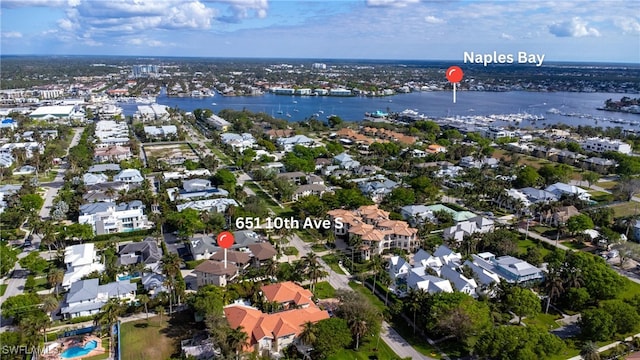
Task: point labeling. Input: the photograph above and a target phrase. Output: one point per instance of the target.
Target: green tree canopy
(518, 342)
(207, 301)
(527, 177)
(579, 223)
(332, 335)
(523, 302)
(596, 325)
(34, 263)
(8, 257)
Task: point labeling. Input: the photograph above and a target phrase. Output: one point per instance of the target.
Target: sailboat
(279, 110)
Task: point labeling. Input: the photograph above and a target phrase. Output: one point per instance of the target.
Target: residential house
(202, 247)
(295, 177)
(398, 268)
(511, 269)
(601, 145)
(262, 252)
(217, 273)
(478, 224)
(287, 295)
(419, 279)
(28, 148)
(195, 189)
(239, 142)
(80, 261)
(460, 282)
(109, 218)
(377, 188)
(600, 165)
(239, 258)
(129, 176)
(288, 143)
(109, 132)
(307, 190)
(559, 189)
(144, 252)
(274, 332)
(112, 153)
(418, 214)
(86, 297)
(159, 132)
(217, 205)
(563, 214)
(6, 160)
(345, 161)
(219, 123)
(536, 196)
(375, 229)
(6, 191)
(154, 284)
(100, 168)
(92, 179)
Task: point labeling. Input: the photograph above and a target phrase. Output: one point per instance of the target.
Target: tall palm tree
(108, 316)
(49, 304)
(356, 242)
(308, 334)
(144, 300)
(385, 280)
(376, 267)
(589, 351)
(359, 328)
(171, 263)
(415, 301)
(55, 277)
(237, 340)
(160, 311)
(270, 268)
(554, 286)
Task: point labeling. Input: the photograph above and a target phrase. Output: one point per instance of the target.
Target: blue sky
(567, 30)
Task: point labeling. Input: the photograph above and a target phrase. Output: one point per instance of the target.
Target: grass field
(630, 290)
(547, 321)
(3, 288)
(142, 340)
(332, 261)
(601, 196)
(367, 351)
(607, 184)
(523, 245)
(324, 290)
(625, 209)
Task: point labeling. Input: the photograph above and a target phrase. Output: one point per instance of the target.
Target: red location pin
(225, 239)
(454, 75)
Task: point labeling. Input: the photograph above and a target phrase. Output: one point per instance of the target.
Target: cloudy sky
(566, 30)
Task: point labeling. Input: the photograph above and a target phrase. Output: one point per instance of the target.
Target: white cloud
(11, 35)
(628, 25)
(66, 24)
(575, 27)
(433, 20)
(506, 36)
(242, 9)
(390, 3)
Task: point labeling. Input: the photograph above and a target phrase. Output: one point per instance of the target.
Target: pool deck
(76, 341)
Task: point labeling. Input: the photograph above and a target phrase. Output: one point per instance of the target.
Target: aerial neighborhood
(447, 239)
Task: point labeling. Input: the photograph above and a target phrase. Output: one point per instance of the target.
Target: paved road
(534, 235)
(15, 286)
(53, 187)
(338, 281)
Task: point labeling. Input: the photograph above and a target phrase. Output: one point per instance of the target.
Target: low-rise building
(144, 252)
(109, 218)
(478, 224)
(112, 153)
(601, 145)
(86, 297)
(217, 273)
(129, 176)
(80, 261)
(288, 143)
(559, 189)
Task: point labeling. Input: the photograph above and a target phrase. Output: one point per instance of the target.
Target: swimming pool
(76, 351)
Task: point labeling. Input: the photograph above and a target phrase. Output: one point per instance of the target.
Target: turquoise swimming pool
(76, 351)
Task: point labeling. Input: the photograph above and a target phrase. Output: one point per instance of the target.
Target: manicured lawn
(324, 290)
(146, 341)
(523, 245)
(42, 284)
(3, 288)
(220, 155)
(626, 209)
(607, 184)
(542, 230)
(630, 289)
(600, 196)
(367, 351)
(547, 321)
(332, 261)
(573, 245)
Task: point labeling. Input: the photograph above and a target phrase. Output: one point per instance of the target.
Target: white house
(288, 143)
(86, 297)
(460, 230)
(459, 281)
(560, 189)
(129, 176)
(92, 179)
(109, 218)
(80, 261)
(239, 142)
(601, 145)
(161, 131)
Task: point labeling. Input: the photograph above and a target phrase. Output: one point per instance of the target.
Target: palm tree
(308, 334)
(55, 277)
(416, 298)
(270, 268)
(108, 316)
(171, 263)
(237, 340)
(376, 267)
(160, 311)
(356, 241)
(554, 286)
(144, 300)
(359, 328)
(589, 351)
(385, 280)
(49, 304)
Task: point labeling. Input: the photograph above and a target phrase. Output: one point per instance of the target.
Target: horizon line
(303, 58)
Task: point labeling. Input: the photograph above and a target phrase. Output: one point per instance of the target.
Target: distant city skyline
(601, 31)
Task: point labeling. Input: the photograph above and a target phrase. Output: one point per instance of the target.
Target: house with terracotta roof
(274, 332)
(375, 229)
(112, 153)
(287, 295)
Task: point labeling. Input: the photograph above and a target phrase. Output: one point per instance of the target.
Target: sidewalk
(607, 347)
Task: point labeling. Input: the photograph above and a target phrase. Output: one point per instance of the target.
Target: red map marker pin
(454, 75)
(225, 239)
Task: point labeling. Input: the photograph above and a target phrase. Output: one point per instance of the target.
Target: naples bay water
(571, 108)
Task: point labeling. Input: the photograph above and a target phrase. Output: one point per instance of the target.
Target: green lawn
(367, 351)
(42, 284)
(3, 288)
(547, 321)
(573, 245)
(626, 209)
(324, 290)
(523, 245)
(224, 158)
(607, 184)
(630, 289)
(332, 261)
(290, 251)
(146, 341)
(601, 196)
